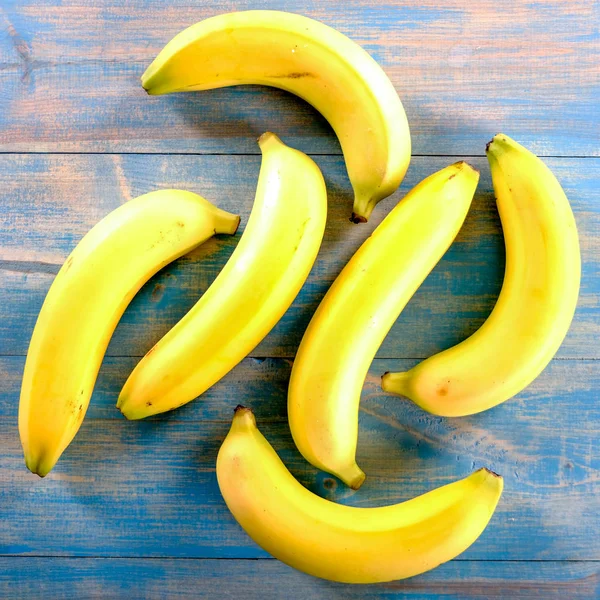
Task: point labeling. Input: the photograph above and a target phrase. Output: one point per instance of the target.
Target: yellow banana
(313, 61)
(85, 302)
(358, 311)
(344, 543)
(252, 292)
(535, 306)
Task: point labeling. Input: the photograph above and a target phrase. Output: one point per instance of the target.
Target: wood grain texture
(52, 201)
(464, 71)
(108, 579)
(149, 488)
(133, 509)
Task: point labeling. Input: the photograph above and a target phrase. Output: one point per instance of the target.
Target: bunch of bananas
(266, 272)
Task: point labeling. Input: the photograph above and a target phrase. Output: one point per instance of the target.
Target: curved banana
(344, 543)
(359, 310)
(85, 302)
(535, 306)
(313, 61)
(252, 292)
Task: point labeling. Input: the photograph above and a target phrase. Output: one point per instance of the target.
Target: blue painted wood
(69, 82)
(53, 200)
(69, 75)
(149, 488)
(107, 579)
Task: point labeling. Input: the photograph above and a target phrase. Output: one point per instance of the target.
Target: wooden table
(133, 509)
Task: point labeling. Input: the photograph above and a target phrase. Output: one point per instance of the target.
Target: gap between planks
(271, 559)
(131, 153)
(261, 358)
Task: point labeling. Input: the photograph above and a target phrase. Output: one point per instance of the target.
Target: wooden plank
(52, 200)
(69, 82)
(149, 489)
(69, 75)
(266, 579)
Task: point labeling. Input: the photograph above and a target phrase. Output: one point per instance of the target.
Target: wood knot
(329, 484)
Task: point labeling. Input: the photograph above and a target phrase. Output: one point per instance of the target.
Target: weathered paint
(146, 492)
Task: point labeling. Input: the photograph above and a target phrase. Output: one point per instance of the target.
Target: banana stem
(363, 207)
(226, 222)
(395, 383)
(353, 476)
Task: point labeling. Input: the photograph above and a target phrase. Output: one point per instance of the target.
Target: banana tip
(492, 473)
(144, 82)
(353, 476)
(461, 164)
(37, 470)
(358, 218)
(495, 138)
(151, 90)
(243, 418)
(128, 415)
(355, 485)
(384, 379)
(268, 138)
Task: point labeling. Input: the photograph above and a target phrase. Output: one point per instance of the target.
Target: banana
(85, 302)
(536, 304)
(345, 543)
(249, 296)
(358, 311)
(313, 61)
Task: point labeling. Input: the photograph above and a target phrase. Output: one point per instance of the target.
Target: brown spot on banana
(68, 263)
(294, 75)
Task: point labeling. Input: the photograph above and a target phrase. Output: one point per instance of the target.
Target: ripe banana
(85, 302)
(535, 306)
(313, 61)
(252, 292)
(344, 543)
(358, 311)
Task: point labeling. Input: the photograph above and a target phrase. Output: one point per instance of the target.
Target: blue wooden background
(133, 509)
